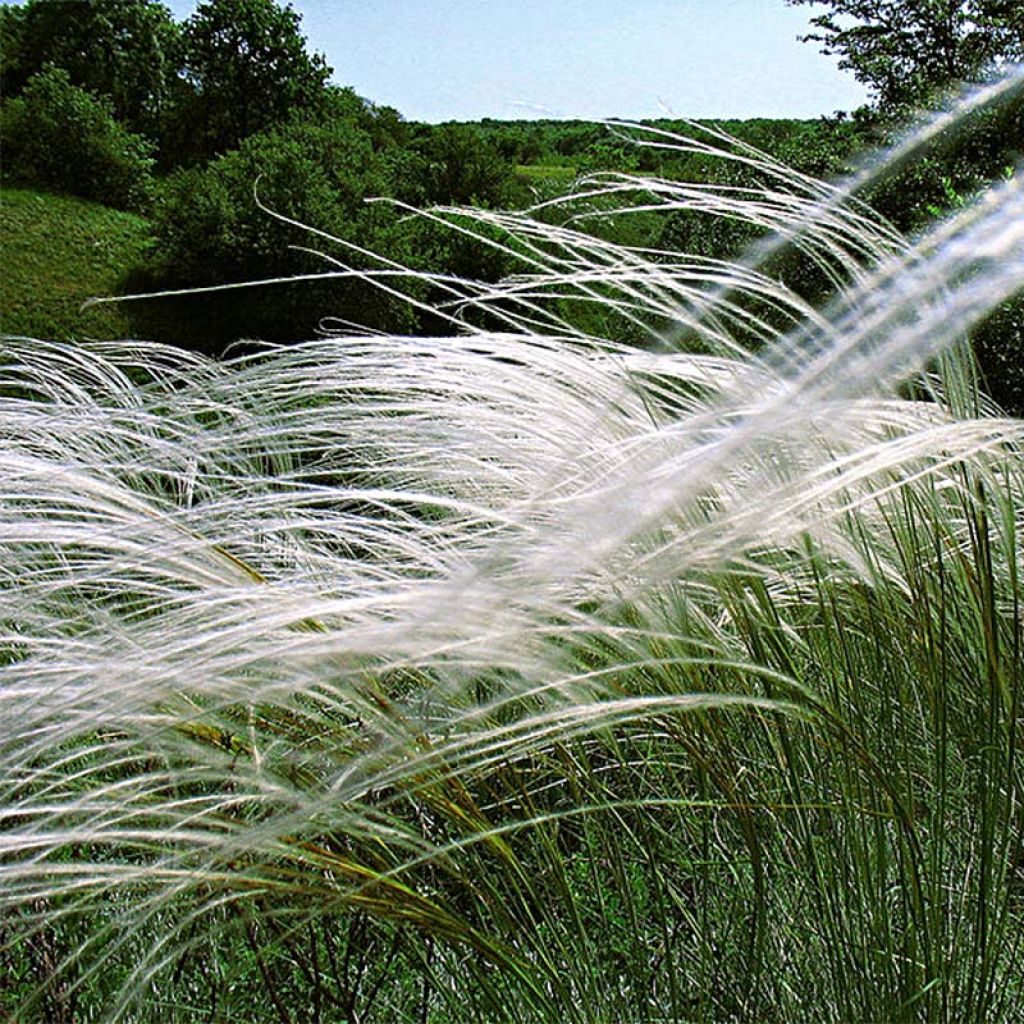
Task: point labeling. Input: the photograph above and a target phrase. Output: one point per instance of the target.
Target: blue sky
(465, 59)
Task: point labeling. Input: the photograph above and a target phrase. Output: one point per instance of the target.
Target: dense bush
(955, 169)
(66, 138)
(459, 166)
(213, 227)
(209, 219)
(999, 349)
(950, 168)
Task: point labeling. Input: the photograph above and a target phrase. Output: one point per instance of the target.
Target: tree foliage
(213, 227)
(120, 49)
(314, 173)
(459, 166)
(904, 50)
(247, 67)
(66, 138)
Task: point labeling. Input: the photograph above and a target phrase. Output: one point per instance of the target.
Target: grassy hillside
(56, 252)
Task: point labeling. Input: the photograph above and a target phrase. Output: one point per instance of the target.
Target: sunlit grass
(58, 251)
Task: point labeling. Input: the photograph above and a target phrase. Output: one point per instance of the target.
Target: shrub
(210, 222)
(65, 138)
(211, 229)
(461, 167)
(999, 348)
(952, 171)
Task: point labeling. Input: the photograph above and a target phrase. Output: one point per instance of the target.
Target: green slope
(56, 251)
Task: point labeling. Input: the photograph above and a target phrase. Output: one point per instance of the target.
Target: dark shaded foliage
(245, 68)
(461, 167)
(213, 227)
(65, 138)
(123, 50)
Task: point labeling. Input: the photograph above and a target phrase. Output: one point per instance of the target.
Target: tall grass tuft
(525, 674)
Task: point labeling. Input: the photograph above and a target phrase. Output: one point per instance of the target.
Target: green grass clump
(57, 252)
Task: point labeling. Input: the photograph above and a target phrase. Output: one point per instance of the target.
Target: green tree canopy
(904, 50)
(212, 226)
(119, 49)
(248, 67)
(460, 167)
(63, 137)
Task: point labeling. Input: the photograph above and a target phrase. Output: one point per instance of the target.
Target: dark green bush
(65, 138)
(212, 230)
(459, 166)
(999, 349)
(952, 168)
(209, 220)
(953, 171)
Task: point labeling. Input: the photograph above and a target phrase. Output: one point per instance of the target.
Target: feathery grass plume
(525, 674)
